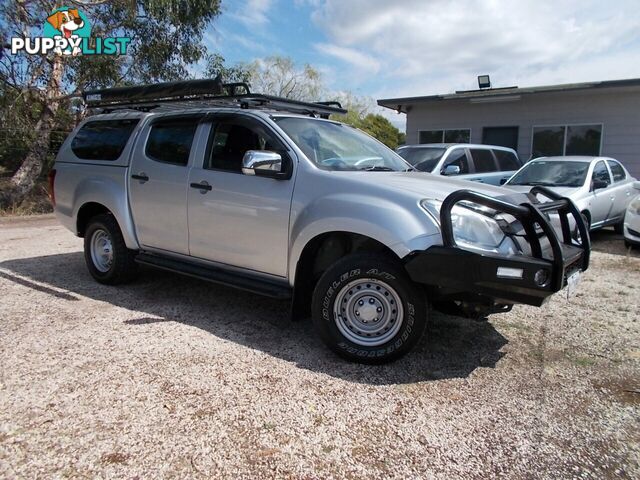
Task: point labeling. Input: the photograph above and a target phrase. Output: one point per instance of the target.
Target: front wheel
(366, 309)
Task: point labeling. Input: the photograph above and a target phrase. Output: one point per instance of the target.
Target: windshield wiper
(378, 168)
(536, 184)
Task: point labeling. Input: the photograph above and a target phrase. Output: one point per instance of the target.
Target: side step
(249, 283)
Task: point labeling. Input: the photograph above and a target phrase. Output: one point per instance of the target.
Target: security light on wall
(484, 81)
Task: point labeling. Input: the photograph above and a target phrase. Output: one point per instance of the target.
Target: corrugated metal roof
(395, 103)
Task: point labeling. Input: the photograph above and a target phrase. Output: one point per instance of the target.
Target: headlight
(473, 230)
(634, 206)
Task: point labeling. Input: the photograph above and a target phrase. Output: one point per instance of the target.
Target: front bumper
(463, 273)
(632, 228)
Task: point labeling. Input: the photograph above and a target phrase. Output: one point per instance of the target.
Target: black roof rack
(199, 94)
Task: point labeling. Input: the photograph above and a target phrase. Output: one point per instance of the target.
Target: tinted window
(616, 170)
(600, 172)
(432, 136)
(457, 136)
(424, 159)
(170, 141)
(552, 173)
(583, 140)
(232, 139)
(483, 160)
(548, 141)
(102, 140)
(457, 157)
(507, 160)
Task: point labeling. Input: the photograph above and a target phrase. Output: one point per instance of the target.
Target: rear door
(508, 164)
(602, 198)
(621, 189)
(158, 183)
(485, 166)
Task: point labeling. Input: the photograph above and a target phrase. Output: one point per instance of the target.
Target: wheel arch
(587, 213)
(319, 253)
(102, 194)
(86, 212)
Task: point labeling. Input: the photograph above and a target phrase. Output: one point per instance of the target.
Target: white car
(632, 221)
(600, 187)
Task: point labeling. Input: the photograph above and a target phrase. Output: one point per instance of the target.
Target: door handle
(203, 187)
(140, 176)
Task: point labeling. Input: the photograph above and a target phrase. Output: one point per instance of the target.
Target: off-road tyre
(369, 271)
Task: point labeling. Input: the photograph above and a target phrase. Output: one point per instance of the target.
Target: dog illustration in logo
(67, 22)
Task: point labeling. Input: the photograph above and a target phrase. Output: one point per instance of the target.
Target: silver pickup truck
(270, 196)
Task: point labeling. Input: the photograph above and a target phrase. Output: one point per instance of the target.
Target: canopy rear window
(103, 139)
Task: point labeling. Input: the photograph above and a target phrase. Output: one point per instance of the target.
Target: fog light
(541, 277)
(506, 272)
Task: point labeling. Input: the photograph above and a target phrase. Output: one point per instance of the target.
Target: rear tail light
(52, 193)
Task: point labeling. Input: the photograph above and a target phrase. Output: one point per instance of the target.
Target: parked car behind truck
(632, 220)
(260, 193)
(599, 186)
(480, 163)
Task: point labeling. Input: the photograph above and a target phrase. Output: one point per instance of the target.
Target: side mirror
(636, 185)
(451, 170)
(262, 163)
(503, 181)
(598, 183)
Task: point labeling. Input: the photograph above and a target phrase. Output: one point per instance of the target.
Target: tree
(158, 51)
(360, 117)
(379, 127)
(216, 65)
(280, 76)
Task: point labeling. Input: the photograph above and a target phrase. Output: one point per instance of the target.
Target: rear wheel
(366, 309)
(619, 227)
(107, 257)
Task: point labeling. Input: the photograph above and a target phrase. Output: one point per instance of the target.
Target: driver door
(236, 219)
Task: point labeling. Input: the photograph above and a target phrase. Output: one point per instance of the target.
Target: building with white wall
(597, 118)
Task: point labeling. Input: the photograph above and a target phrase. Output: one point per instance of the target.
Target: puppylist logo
(67, 31)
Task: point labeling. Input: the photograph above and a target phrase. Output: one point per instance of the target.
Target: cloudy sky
(387, 48)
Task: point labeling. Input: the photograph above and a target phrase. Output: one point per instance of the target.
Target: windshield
(335, 146)
(552, 174)
(424, 159)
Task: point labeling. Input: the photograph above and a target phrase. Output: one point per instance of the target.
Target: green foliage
(359, 115)
(166, 39)
(375, 125)
(379, 127)
(216, 65)
(19, 114)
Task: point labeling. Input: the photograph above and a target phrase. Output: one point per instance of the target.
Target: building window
(561, 140)
(458, 135)
(583, 140)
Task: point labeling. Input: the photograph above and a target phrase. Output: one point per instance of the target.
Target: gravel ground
(171, 377)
